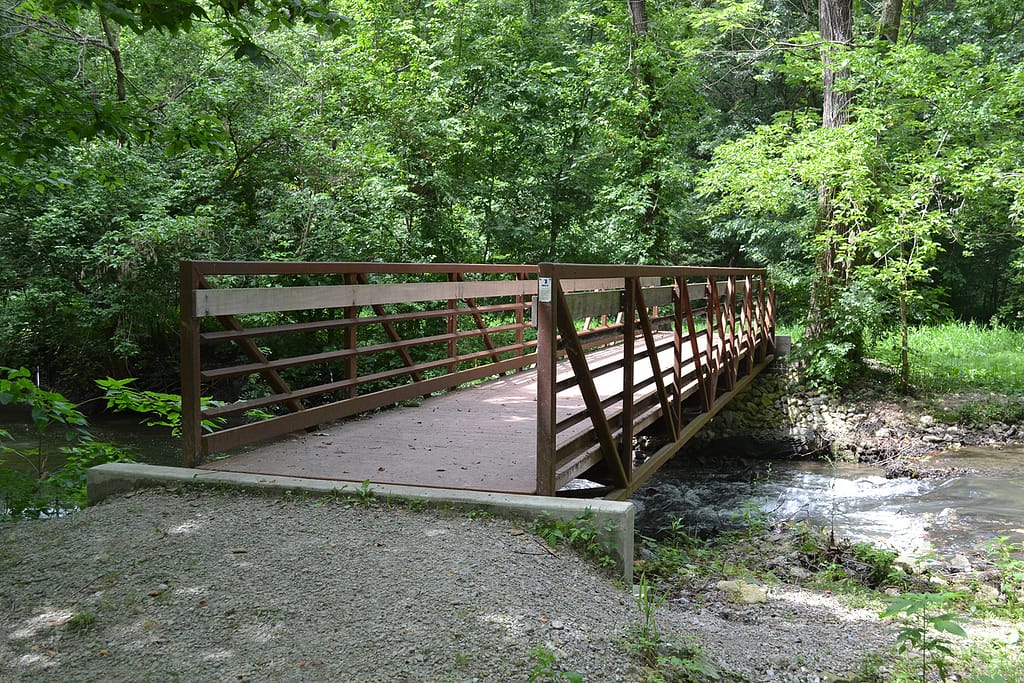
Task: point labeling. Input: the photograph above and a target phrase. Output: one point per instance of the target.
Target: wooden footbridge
(510, 378)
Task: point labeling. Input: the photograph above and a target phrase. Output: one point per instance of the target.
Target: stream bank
(867, 422)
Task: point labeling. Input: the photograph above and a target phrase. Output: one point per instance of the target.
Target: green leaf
(947, 624)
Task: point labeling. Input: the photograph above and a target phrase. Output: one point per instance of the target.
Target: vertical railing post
(547, 347)
(747, 324)
(191, 392)
(628, 371)
(520, 317)
(453, 328)
(351, 341)
(677, 343)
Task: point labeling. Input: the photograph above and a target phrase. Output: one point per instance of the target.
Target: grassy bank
(958, 357)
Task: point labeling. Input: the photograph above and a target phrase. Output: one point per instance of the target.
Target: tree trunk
(835, 23)
(113, 46)
(638, 16)
(889, 20)
(648, 130)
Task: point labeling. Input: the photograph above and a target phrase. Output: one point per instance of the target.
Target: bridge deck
(479, 438)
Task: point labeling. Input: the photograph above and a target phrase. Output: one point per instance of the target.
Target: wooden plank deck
(480, 438)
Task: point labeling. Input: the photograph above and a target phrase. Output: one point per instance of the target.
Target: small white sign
(544, 289)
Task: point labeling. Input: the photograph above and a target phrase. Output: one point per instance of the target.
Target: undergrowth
(958, 357)
(583, 533)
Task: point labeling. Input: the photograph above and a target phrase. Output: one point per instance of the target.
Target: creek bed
(981, 498)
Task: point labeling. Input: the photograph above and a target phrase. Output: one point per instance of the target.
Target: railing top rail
(581, 271)
(345, 267)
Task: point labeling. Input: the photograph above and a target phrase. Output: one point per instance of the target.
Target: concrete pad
(116, 478)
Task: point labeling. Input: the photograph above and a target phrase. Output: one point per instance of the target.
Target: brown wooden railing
(388, 332)
(719, 333)
(317, 342)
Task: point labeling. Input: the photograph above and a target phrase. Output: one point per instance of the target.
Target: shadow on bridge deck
(479, 438)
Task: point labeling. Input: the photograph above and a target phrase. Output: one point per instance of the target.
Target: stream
(943, 515)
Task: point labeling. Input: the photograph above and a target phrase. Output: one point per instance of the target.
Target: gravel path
(221, 585)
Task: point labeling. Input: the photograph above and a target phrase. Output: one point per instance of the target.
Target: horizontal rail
(341, 323)
(266, 299)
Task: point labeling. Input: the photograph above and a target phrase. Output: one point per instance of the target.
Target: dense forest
(871, 154)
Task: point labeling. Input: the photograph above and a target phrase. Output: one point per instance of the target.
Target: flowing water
(943, 515)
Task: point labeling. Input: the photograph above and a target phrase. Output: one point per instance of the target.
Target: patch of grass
(583, 533)
(982, 412)
(959, 357)
(82, 621)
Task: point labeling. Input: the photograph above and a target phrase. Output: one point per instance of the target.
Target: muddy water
(153, 445)
(946, 516)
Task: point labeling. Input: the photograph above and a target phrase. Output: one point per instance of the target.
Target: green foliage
(582, 533)
(545, 671)
(926, 622)
(983, 412)
(51, 478)
(163, 410)
(674, 555)
(880, 563)
(491, 131)
(842, 564)
(1009, 559)
(832, 358)
(924, 162)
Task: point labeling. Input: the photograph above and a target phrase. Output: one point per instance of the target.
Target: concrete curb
(116, 478)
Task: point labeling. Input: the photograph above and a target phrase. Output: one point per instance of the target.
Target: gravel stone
(222, 585)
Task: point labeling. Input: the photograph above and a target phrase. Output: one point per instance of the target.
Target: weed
(646, 636)
(677, 554)
(1011, 568)
(753, 518)
(479, 514)
(546, 672)
(666, 662)
(416, 504)
(926, 622)
(580, 532)
(364, 494)
(81, 621)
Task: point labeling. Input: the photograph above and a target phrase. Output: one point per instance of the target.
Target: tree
(835, 24)
(924, 130)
